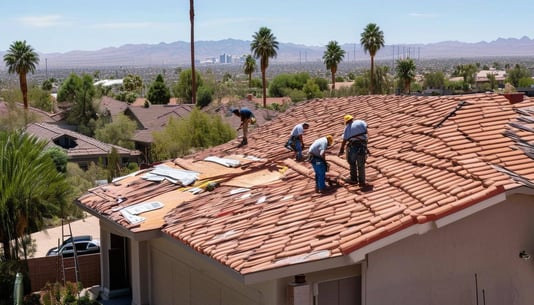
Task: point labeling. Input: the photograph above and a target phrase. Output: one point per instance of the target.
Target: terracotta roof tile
(430, 156)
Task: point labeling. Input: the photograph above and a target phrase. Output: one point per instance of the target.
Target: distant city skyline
(65, 25)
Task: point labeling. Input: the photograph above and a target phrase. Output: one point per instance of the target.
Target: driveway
(49, 238)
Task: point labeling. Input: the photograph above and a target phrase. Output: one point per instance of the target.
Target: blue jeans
(319, 166)
(298, 149)
(356, 156)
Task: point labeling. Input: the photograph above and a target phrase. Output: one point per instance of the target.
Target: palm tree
(264, 46)
(32, 189)
(193, 78)
(249, 67)
(372, 39)
(21, 59)
(332, 56)
(405, 72)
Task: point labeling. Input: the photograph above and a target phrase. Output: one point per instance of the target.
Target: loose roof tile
(430, 157)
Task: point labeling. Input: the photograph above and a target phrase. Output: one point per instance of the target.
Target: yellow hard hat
(347, 118)
(330, 140)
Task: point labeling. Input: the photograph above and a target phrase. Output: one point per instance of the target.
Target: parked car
(82, 247)
(53, 251)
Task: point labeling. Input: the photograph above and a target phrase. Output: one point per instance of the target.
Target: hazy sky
(66, 25)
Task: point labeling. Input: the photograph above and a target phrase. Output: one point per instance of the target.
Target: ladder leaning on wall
(61, 258)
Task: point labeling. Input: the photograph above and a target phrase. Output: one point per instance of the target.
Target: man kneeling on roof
(295, 142)
(355, 137)
(318, 160)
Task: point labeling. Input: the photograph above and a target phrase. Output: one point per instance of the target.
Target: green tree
(83, 111)
(198, 130)
(40, 98)
(434, 80)
(32, 189)
(132, 83)
(406, 70)
(264, 46)
(21, 59)
(59, 156)
(205, 96)
(159, 93)
(492, 81)
(68, 89)
(372, 40)
(516, 73)
(332, 56)
(466, 71)
(249, 67)
(312, 90)
(183, 87)
(119, 132)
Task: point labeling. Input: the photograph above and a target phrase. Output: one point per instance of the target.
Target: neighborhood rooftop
(430, 159)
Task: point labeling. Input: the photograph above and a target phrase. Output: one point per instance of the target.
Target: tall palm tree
(405, 72)
(264, 46)
(372, 39)
(193, 77)
(32, 189)
(249, 67)
(332, 56)
(21, 59)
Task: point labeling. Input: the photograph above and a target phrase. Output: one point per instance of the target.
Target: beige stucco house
(448, 218)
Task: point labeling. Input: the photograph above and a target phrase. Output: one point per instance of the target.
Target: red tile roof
(430, 157)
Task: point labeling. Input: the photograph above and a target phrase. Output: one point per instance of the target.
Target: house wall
(180, 276)
(477, 256)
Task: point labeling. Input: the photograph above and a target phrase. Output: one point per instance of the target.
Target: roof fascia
(292, 270)
(120, 230)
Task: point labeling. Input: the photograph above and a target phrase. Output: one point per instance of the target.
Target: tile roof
(86, 146)
(430, 157)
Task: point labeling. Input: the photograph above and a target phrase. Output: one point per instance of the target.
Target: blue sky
(66, 25)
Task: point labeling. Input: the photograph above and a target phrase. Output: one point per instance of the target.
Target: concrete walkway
(49, 238)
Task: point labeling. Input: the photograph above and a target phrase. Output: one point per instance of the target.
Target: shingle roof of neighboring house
(112, 105)
(86, 146)
(43, 116)
(156, 117)
(430, 157)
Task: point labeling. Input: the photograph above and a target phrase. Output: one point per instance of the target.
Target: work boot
(244, 142)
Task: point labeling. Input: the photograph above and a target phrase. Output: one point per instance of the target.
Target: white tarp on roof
(162, 172)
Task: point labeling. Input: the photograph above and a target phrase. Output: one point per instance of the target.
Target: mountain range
(178, 53)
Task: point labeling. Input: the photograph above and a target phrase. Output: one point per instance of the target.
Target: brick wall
(49, 269)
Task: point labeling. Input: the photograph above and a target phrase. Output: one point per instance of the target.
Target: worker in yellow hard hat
(355, 138)
(318, 160)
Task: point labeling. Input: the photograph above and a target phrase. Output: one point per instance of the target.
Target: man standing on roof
(247, 117)
(295, 142)
(318, 160)
(355, 137)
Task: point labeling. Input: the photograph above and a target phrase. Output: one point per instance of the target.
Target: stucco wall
(179, 277)
(439, 267)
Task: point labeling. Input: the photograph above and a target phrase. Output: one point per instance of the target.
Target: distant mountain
(178, 53)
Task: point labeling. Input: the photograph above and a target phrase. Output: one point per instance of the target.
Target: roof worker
(295, 142)
(247, 117)
(355, 137)
(318, 161)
